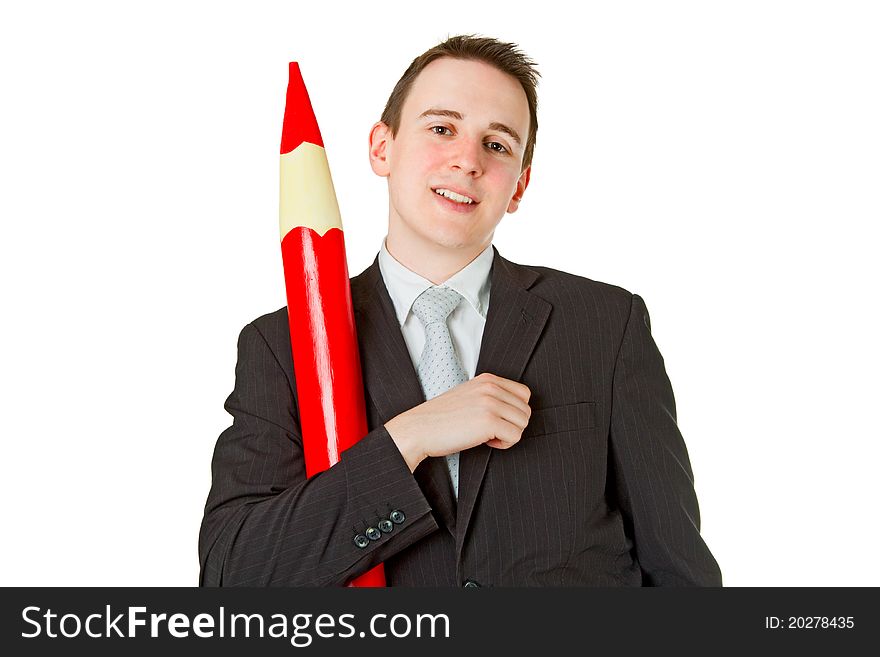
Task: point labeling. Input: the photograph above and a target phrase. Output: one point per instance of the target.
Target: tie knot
(435, 304)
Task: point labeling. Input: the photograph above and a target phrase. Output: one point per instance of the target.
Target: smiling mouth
(455, 197)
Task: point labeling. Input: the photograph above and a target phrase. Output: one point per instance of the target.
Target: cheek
(416, 171)
(432, 160)
(505, 182)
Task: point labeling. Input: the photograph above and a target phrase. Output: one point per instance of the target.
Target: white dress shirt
(465, 323)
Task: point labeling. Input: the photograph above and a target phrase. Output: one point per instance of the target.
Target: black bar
(506, 621)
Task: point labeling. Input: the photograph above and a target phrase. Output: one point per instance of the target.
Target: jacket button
(373, 534)
(397, 517)
(386, 526)
(471, 584)
(361, 541)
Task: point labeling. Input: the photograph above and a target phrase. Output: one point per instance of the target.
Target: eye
(500, 149)
(433, 128)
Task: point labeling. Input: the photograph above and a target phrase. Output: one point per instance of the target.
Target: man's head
(462, 119)
(503, 56)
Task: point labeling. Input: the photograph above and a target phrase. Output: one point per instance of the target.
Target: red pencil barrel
(324, 342)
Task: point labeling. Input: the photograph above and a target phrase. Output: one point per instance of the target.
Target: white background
(720, 159)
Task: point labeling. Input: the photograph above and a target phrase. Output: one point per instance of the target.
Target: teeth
(458, 198)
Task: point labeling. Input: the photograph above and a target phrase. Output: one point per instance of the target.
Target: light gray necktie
(439, 368)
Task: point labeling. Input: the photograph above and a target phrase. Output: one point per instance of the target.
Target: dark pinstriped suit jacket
(599, 490)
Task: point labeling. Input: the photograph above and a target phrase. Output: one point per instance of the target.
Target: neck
(431, 261)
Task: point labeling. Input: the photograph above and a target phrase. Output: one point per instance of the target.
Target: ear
(521, 185)
(380, 141)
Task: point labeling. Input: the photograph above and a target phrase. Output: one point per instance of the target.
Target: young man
(522, 426)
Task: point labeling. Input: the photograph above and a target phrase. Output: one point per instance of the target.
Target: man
(529, 439)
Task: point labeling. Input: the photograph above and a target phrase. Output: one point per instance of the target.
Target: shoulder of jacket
(273, 327)
(557, 281)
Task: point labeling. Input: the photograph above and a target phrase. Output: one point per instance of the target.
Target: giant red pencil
(327, 366)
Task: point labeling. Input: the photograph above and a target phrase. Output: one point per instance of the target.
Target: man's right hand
(487, 409)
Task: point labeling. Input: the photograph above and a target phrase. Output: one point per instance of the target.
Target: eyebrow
(452, 114)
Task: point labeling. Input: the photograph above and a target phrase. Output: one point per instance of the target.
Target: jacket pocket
(567, 417)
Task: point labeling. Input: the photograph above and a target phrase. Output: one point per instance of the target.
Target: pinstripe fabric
(598, 492)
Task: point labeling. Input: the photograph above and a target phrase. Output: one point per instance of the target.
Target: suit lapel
(514, 323)
(390, 381)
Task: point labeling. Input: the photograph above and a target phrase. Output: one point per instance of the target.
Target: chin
(449, 240)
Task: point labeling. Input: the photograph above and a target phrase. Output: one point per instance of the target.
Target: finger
(520, 390)
(506, 433)
(497, 443)
(516, 414)
(506, 395)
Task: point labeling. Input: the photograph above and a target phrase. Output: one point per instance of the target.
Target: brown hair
(504, 56)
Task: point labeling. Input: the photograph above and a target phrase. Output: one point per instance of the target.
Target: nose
(466, 156)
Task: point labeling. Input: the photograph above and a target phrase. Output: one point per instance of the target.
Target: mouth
(455, 196)
(465, 206)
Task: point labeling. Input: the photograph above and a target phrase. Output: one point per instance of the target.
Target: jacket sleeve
(265, 524)
(653, 474)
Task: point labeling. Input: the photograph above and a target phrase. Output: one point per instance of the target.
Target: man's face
(463, 128)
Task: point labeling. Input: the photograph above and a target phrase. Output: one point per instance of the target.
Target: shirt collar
(404, 285)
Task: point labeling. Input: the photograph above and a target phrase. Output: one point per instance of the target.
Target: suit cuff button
(385, 526)
(471, 584)
(361, 541)
(397, 517)
(373, 534)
